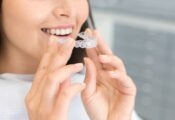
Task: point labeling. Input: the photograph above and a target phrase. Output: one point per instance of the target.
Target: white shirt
(13, 89)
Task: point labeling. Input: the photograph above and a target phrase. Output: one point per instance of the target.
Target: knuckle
(122, 75)
(120, 63)
(133, 88)
(119, 60)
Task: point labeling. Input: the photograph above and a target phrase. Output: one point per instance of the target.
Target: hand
(110, 92)
(52, 91)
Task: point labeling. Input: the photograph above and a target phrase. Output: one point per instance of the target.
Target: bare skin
(110, 92)
(106, 83)
(52, 91)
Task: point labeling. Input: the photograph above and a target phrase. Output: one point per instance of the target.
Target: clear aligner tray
(86, 42)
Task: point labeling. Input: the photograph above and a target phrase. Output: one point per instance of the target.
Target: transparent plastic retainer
(86, 42)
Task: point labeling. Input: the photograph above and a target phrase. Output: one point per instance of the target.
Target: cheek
(83, 12)
(21, 25)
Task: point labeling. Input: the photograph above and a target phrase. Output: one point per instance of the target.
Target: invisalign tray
(87, 42)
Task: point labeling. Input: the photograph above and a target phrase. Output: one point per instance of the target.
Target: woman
(30, 53)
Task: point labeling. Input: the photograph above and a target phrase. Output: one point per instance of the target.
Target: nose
(64, 8)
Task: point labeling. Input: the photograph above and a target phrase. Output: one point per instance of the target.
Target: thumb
(90, 78)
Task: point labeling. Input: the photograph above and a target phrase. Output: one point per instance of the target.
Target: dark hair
(78, 53)
(0, 26)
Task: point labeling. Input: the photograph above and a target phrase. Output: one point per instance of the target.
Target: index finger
(93, 53)
(63, 54)
(44, 63)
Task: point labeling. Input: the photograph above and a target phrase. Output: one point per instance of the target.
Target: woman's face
(28, 24)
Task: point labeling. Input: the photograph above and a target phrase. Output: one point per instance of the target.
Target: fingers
(50, 88)
(52, 84)
(125, 87)
(51, 50)
(93, 52)
(44, 64)
(53, 45)
(63, 54)
(125, 84)
(112, 62)
(90, 78)
(51, 60)
(64, 84)
(66, 96)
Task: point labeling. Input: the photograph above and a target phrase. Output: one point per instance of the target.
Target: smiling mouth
(66, 32)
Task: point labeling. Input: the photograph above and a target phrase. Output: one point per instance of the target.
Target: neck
(14, 61)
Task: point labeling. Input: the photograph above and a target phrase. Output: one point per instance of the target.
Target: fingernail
(79, 65)
(88, 31)
(104, 58)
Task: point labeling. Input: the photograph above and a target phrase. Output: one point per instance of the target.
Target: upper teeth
(60, 31)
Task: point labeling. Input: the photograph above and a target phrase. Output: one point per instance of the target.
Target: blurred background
(142, 33)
